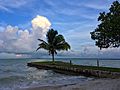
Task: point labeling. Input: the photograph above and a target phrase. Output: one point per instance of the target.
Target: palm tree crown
(55, 42)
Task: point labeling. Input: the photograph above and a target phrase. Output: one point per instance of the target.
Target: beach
(97, 84)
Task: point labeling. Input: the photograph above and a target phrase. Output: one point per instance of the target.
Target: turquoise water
(15, 74)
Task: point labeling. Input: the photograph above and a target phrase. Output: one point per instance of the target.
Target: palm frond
(38, 48)
(63, 46)
(51, 35)
(58, 39)
(42, 41)
(44, 46)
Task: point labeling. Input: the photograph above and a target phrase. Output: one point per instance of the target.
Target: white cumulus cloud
(41, 22)
(13, 39)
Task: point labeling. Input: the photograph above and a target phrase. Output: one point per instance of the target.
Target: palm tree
(55, 42)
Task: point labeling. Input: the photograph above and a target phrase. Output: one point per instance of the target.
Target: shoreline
(96, 84)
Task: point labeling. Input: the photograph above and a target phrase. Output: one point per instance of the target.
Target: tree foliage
(107, 34)
(55, 42)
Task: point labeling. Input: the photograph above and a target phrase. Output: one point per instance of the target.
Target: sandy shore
(98, 84)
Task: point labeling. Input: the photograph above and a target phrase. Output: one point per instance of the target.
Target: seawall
(76, 71)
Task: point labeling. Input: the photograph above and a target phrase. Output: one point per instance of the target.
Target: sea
(15, 74)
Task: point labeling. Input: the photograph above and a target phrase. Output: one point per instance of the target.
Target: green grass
(65, 64)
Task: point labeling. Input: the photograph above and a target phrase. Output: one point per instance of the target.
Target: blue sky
(75, 19)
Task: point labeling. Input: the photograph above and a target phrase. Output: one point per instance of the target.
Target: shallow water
(15, 74)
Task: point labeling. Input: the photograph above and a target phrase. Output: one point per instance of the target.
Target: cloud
(7, 55)
(13, 55)
(9, 5)
(13, 39)
(74, 19)
(5, 9)
(41, 22)
(91, 51)
(82, 9)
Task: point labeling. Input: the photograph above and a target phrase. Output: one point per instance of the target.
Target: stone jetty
(71, 70)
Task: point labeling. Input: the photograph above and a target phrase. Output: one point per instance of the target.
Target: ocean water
(14, 73)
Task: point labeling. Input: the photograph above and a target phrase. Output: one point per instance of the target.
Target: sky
(22, 22)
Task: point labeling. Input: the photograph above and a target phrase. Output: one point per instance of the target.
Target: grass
(65, 64)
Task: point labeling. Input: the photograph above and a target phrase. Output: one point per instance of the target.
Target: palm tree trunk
(53, 57)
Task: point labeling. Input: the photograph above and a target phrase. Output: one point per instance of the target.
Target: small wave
(12, 82)
(8, 70)
(10, 79)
